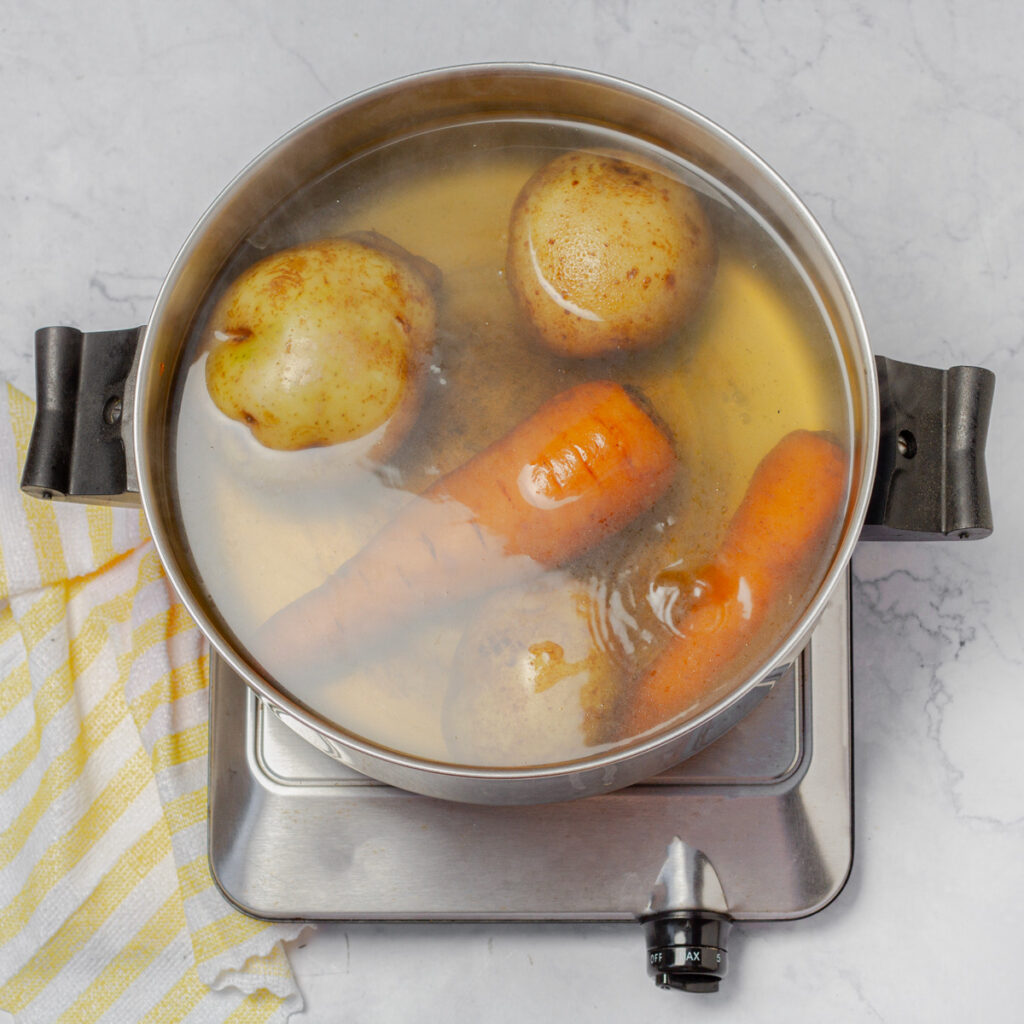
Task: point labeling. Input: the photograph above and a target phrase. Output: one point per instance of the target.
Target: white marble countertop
(901, 125)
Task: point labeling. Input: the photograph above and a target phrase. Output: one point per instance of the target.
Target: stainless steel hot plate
(294, 834)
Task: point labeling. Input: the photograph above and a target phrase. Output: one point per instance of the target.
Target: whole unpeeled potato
(324, 343)
(530, 685)
(608, 253)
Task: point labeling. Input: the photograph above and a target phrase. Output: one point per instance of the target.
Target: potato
(323, 343)
(529, 683)
(607, 253)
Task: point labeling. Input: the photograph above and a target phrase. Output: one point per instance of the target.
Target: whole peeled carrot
(775, 536)
(575, 472)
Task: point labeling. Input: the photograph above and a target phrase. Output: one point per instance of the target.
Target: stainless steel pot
(101, 433)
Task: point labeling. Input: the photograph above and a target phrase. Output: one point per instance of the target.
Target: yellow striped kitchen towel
(108, 912)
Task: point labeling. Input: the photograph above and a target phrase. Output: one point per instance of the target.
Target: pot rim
(639, 749)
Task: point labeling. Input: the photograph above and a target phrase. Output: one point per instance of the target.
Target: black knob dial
(686, 949)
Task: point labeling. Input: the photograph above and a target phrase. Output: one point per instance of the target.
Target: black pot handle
(81, 447)
(931, 483)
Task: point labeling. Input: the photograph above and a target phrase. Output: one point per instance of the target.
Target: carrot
(572, 474)
(775, 536)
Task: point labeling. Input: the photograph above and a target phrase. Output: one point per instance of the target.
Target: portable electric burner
(758, 826)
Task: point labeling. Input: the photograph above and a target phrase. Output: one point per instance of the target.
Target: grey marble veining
(902, 127)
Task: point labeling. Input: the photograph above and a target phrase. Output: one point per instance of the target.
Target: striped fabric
(107, 908)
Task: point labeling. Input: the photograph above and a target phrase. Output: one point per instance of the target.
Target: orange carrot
(575, 472)
(775, 536)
